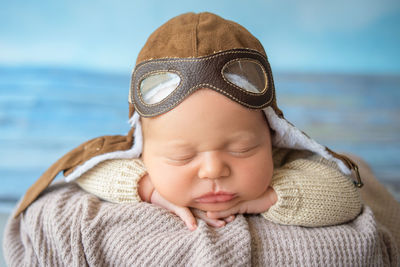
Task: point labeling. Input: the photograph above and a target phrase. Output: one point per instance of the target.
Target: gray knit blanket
(69, 227)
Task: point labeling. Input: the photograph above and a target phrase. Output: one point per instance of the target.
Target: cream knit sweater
(311, 190)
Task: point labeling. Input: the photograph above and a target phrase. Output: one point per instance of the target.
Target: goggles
(243, 75)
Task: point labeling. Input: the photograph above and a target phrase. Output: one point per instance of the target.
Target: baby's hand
(258, 205)
(188, 215)
(148, 193)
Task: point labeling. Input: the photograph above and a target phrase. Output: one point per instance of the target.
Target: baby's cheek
(255, 183)
(173, 187)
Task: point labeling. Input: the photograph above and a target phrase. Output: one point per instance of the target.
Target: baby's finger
(212, 222)
(186, 215)
(229, 219)
(222, 214)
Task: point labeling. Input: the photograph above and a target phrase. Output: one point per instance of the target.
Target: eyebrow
(245, 136)
(178, 144)
(242, 135)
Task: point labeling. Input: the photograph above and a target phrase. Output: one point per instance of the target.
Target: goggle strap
(350, 164)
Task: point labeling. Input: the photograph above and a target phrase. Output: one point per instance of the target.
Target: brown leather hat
(192, 39)
(190, 36)
(193, 35)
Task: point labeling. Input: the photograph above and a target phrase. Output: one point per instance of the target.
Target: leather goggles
(243, 75)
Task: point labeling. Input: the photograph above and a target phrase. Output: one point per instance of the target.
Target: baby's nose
(213, 166)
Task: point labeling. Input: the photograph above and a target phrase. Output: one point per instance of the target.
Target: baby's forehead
(153, 127)
(206, 111)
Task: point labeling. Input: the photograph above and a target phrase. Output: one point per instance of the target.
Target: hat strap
(350, 164)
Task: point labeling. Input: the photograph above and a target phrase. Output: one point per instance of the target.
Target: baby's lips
(215, 198)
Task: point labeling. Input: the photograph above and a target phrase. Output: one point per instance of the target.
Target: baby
(208, 139)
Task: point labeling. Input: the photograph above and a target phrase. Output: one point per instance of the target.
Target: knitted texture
(67, 226)
(115, 180)
(311, 190)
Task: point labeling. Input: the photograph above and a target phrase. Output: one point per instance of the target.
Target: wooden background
(359, 114)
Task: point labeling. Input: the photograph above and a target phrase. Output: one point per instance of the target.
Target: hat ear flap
(131, 110)
(83, 158)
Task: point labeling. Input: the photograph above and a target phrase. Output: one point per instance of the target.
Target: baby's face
(208, 153)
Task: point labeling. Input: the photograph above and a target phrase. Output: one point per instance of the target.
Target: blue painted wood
(359, 114)
(46, 112)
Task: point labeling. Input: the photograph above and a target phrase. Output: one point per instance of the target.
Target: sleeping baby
(208, 140)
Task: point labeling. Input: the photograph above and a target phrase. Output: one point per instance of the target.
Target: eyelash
(242, 151)
(183, 160)
(188, 159)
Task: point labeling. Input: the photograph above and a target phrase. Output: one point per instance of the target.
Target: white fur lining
(288, 136)
(134, 152)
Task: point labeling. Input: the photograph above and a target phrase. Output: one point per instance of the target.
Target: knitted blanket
(69, 227)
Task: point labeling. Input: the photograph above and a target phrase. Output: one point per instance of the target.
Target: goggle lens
(156, 87)
(247, 74)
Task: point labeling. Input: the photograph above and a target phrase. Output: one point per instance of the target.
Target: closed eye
(243, 152)
(180, 160)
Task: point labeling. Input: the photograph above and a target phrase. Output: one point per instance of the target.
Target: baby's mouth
(215, 197)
